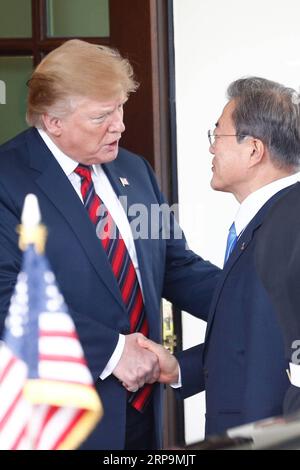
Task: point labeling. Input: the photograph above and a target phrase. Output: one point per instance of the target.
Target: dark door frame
(139, 29)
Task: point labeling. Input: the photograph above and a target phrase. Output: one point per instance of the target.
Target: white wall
(217, 42)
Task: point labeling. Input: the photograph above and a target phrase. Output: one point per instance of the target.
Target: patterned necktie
(231, 242)
(121, 265)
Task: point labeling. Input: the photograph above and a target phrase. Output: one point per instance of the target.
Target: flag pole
(31, 230)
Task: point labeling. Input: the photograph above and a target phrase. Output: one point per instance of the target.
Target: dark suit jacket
(278, 264)
(83, 272)
(241, 365)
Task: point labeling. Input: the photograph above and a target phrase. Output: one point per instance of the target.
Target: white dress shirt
(106, 193)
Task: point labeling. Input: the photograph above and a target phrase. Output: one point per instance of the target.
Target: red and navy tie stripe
(121, 265)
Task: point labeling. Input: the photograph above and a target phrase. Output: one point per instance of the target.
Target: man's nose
(212, 149)
(117, 123)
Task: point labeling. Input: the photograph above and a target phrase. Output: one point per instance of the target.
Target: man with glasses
(242, 364)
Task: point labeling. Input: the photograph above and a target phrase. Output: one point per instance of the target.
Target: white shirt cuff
(294, 374)
(114, 359)
(177, 384)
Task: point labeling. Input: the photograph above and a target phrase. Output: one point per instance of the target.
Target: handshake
(144, 361)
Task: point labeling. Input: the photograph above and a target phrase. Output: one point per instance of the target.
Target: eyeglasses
(213, 137)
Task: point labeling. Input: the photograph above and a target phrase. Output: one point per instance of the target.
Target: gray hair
(268, 111)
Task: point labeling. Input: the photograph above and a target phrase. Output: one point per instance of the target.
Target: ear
(52, 124)
(257, 151)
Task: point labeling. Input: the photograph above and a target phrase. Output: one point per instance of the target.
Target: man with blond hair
(111, 278)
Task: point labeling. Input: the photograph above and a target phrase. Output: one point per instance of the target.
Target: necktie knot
(231, 242)
(84, 172)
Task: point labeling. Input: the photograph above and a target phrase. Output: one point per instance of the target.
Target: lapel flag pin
(124, 181)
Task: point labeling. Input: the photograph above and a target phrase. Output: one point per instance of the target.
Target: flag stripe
(20, 438)
(11, 386)
(56, 321)
(7, 367)
(65, 371)
(56, 357)
(57, 333)
(66, 346)
(68, 428)
(10, 409)
(14, 424)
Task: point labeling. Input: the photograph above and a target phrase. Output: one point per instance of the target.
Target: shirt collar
(254, 202)
(67, 164)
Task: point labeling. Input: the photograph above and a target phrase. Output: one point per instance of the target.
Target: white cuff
(295, 374)
(114, 358)
(177, 384)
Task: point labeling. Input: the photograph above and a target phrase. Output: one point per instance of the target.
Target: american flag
(47, 397)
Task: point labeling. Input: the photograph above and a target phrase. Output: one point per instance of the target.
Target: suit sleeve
(192, 377)
(10, 254)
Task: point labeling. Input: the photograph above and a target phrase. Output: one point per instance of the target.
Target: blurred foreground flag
(47, 397)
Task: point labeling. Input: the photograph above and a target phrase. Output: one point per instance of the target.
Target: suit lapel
(56, 186)
(240, 248)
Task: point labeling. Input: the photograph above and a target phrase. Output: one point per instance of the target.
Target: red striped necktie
(121, 265)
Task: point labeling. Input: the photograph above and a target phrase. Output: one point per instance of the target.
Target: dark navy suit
(278, 263)
(241, 365)
(82, 269)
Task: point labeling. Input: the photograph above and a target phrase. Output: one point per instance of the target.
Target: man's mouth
(113, 144)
